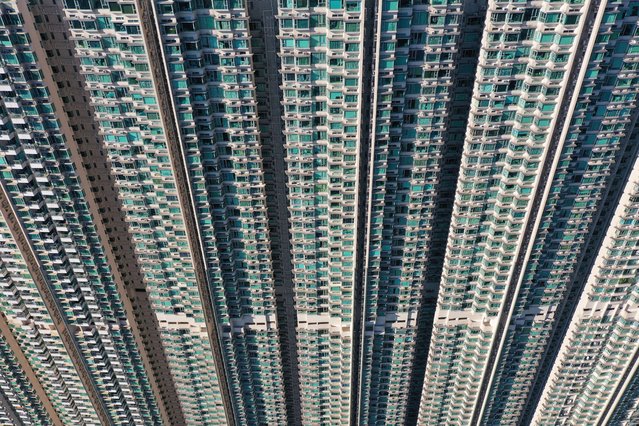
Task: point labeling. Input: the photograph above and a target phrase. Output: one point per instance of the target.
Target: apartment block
(318, 212)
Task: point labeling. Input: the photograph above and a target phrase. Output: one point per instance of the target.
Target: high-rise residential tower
(421, 59)
(552, 118)
(180, 133)
(596, 361)
(321, 49)
(318, 212)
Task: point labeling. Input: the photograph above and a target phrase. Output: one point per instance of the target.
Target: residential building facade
(318, 212)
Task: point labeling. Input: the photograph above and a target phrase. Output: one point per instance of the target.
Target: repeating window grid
(111, 49)
(602, 337)
(33, 328)
(320, 51)
(263, 41)
(599, 126)
(40, 182)
(391, 376)
(627, 411)
(212, 82)
(515, 99)
(18, 390)
(416, 69)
